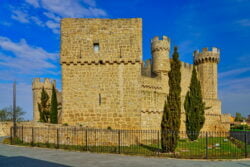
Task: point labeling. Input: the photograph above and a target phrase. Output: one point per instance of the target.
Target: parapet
(46, 83)
(206, 55)
(158, 44)
(187, 65)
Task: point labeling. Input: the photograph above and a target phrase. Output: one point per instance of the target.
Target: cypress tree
(53, 107)
(170, 124)
(43, 107)
(194, 107)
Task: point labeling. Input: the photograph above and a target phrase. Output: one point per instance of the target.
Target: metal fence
(209, 145)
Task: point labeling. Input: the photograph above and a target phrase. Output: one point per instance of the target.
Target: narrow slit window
(100, 99)
(96, 47)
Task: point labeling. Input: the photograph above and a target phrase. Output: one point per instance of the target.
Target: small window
(96, 47)
(100, 99)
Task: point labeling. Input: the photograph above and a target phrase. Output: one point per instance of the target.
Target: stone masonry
(105, 82)
(37, 87)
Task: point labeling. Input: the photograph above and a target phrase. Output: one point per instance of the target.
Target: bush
(6, 141)
(240, 127)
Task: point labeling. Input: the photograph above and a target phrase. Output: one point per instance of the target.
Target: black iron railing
(209, 145)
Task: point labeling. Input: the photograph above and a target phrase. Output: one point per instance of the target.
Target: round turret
(206, 62)
(160, 53)
(207, 56)
(37, 86)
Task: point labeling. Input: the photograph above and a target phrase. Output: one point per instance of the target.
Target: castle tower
(160, 53)
(206, 62)
(37, 86)
(101, 69)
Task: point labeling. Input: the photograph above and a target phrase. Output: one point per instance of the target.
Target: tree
(170, 124)
(194, 107)
(239, 117)
(53, 107)
(3, 115)
(6, 114)
(44, 107)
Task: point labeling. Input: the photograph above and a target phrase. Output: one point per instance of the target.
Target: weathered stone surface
(105, 83)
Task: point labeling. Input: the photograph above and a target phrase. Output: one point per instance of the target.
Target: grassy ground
(218, 147)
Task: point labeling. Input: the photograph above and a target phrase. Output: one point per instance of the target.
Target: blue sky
(30, 39)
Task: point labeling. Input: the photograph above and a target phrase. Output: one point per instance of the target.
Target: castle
(106, 84)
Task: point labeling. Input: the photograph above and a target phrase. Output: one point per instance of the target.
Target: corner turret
(206, 62)
(205, 56)
(160, 53)
(37, 86)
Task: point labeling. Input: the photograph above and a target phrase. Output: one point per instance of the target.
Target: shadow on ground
(21, 161)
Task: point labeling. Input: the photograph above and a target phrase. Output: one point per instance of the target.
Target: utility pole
(14, 108)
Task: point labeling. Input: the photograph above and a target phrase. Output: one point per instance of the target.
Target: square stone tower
(101, 70)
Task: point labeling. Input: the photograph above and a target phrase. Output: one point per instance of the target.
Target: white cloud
(71, 8)
(244, 22)
(24, 17)
(235, 95)
(52, 16)
(37, 21)
(26, 59)
(34, 3)
(90, 2)
(57, 9)
(54, 26)
(234, 72)
(20, 16)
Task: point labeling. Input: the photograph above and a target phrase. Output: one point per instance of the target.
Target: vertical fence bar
(32, 136)
(246, 144)
(119, 142)
(57, 138)
(11, 137)
(86, 139)
(158, 142)
(22, 134)
(206, 146)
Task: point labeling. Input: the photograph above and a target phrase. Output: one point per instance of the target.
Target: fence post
(206, 146)
(32, 133)
(11, 138)
(246, 144)
(22, 134)
(119, 141)
(86, 139)
(57, 138)
(158, 138)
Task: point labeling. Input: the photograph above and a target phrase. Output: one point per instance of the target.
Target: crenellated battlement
(207, 55)
(106, 83)
(47, 84)
(186, 65)
(160, 53)
(158, 44)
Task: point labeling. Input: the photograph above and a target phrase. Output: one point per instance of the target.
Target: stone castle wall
(37, 86)
(101, 85)
(105, 83)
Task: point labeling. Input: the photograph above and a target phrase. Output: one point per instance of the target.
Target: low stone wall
(5, 126)
(86, 137)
